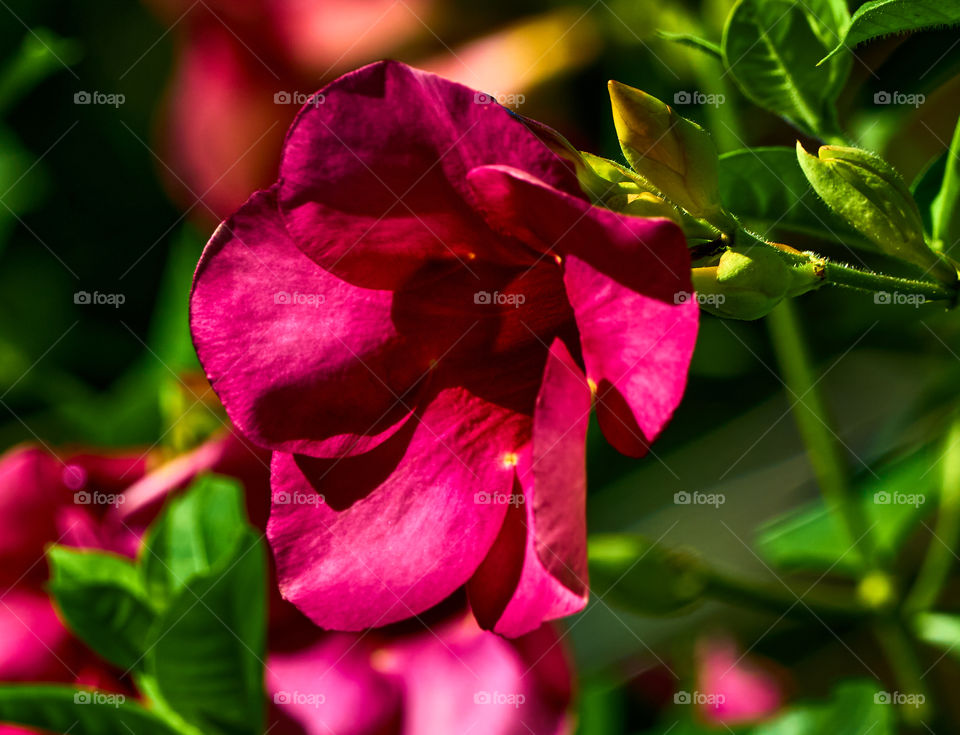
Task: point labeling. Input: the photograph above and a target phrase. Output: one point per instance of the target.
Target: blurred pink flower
(452, 678)
(406, 680)
(745, 690)
(241, 71)
(46, 500)
(411, 318)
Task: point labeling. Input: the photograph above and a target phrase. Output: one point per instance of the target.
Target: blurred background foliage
(92, 201)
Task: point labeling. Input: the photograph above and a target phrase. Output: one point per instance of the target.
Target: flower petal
(537, 570)
(468, 680)
(303, 361)
(330, 687)
(398, 529)
(372, 183)
(623, 276)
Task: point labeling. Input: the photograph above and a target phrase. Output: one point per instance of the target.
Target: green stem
(817, 267)
(899, 650)
(812, 419)
(749, 594)
(940, 552)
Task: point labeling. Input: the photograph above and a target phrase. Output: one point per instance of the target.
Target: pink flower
(238, 68)
(405, 680)
(412, 318)
(740, 688)
(44, 500)
(450, 678)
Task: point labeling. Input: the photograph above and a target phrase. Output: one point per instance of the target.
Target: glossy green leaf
(885, 17)
(633, 573)
(853, 708)
(945, 209)
(103, 601)
(771, 48)
(688, 39)
(926, 187)
(196, 533)
(62, 709)
(810, 538)
(209, 646)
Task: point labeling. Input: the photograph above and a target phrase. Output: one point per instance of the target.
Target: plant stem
(899, 651)
(940, 553)
(746, 593)
(811, 416)
(837, 274)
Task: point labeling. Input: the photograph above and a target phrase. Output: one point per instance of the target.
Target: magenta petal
(33, 641)
(303, 361)
(464, 680)
(330, 687)
(637, 350)
(548, 531)
(373, 180)
(622, 276)
(401, 527)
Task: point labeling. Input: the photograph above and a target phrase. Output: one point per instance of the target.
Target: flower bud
(748, 282)
(674, 154)
(869, 194)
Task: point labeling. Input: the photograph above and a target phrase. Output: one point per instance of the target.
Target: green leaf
(810, 538)
(196, 533)
(872, 197)
(673, 154)
(103, 600)
(939, 629)
(885, 17)
(209, 645)
(771, 48)
(945, 209)
(926, 187)
(688, 39)
(63, 709)
(852, 709)
(41, 54)
(766, 188)
(643, 577)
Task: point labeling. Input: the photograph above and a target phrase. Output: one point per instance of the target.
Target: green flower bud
(748, 282)
(674, 154)
(869, 194)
